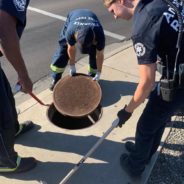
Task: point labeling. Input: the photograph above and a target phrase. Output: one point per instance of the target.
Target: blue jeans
(8, 123)
(150, 128)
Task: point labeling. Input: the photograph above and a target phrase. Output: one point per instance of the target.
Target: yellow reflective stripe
(18, 161)
(91, 70)
(6, 169)
(56, 69)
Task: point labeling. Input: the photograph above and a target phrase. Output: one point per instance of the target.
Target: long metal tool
(18, 88)
(37, 99)
(77, 166)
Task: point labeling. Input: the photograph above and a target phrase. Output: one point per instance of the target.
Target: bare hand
(26, 84)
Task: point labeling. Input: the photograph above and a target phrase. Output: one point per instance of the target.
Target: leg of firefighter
(19, 128)
(9, 160)
(59, 61)
(149, 131)
(92, 67)
(7, 126)
(11, 100)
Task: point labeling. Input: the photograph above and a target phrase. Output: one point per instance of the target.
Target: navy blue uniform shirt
(77, 19)
(17, 9)
(155, 32)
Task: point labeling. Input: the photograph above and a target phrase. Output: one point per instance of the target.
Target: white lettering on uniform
(168, 17)
(90, 18)
(86, 24)
(77, 22)
(171, 10)
(177, 3)
(175, 25)
(182, 13)
(170, 14)
(81, 18)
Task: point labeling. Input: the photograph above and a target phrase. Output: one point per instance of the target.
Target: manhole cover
(77, 96)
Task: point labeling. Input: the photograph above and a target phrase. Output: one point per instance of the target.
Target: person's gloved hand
(97, 76)
(72, 70)
(123, 116)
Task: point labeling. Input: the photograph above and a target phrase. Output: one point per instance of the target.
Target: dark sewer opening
(72, 123)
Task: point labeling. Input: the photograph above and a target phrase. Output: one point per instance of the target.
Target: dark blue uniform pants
(151, 126)
(8, 123)
(60, 57)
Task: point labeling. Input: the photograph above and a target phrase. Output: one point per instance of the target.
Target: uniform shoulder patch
(20, 4)
(140, 49)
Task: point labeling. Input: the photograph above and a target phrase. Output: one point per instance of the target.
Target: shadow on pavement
(106, 158)
(113, 90)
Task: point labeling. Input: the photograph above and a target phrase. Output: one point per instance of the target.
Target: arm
(145, 86)
(99, 60)
(71, 53)
(10, 47)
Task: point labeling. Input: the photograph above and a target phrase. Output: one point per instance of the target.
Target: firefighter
(157, 38)
(12, 23)
(82, 28)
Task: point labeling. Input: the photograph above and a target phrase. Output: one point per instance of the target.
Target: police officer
(81, 28)
(155, 36)
(12, 23)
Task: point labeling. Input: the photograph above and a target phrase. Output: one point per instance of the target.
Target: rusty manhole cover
(77, 96)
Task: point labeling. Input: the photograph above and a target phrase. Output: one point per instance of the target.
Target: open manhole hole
(73, 123)
(76, 102)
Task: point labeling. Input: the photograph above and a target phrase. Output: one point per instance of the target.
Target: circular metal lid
(77, 96)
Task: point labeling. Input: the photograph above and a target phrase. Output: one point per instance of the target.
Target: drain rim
(66, 127)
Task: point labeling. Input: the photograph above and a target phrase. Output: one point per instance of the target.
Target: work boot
(130, 146)
(54, 82)
(22, 165)
(24, 127)
(126, 166)
(52, 85)
(91, 74)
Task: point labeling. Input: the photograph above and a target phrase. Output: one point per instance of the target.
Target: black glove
(123, 116)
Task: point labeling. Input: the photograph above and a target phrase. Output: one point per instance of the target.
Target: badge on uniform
(20, 4)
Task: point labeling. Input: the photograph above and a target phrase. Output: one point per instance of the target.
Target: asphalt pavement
(44, 22)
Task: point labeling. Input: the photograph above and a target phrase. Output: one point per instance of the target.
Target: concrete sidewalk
(58, 150)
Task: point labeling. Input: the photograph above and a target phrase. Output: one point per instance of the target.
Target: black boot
(24, 127)
(126, 166)
(22, 165)
(52, 85)
(91, 74)
(130, 146)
